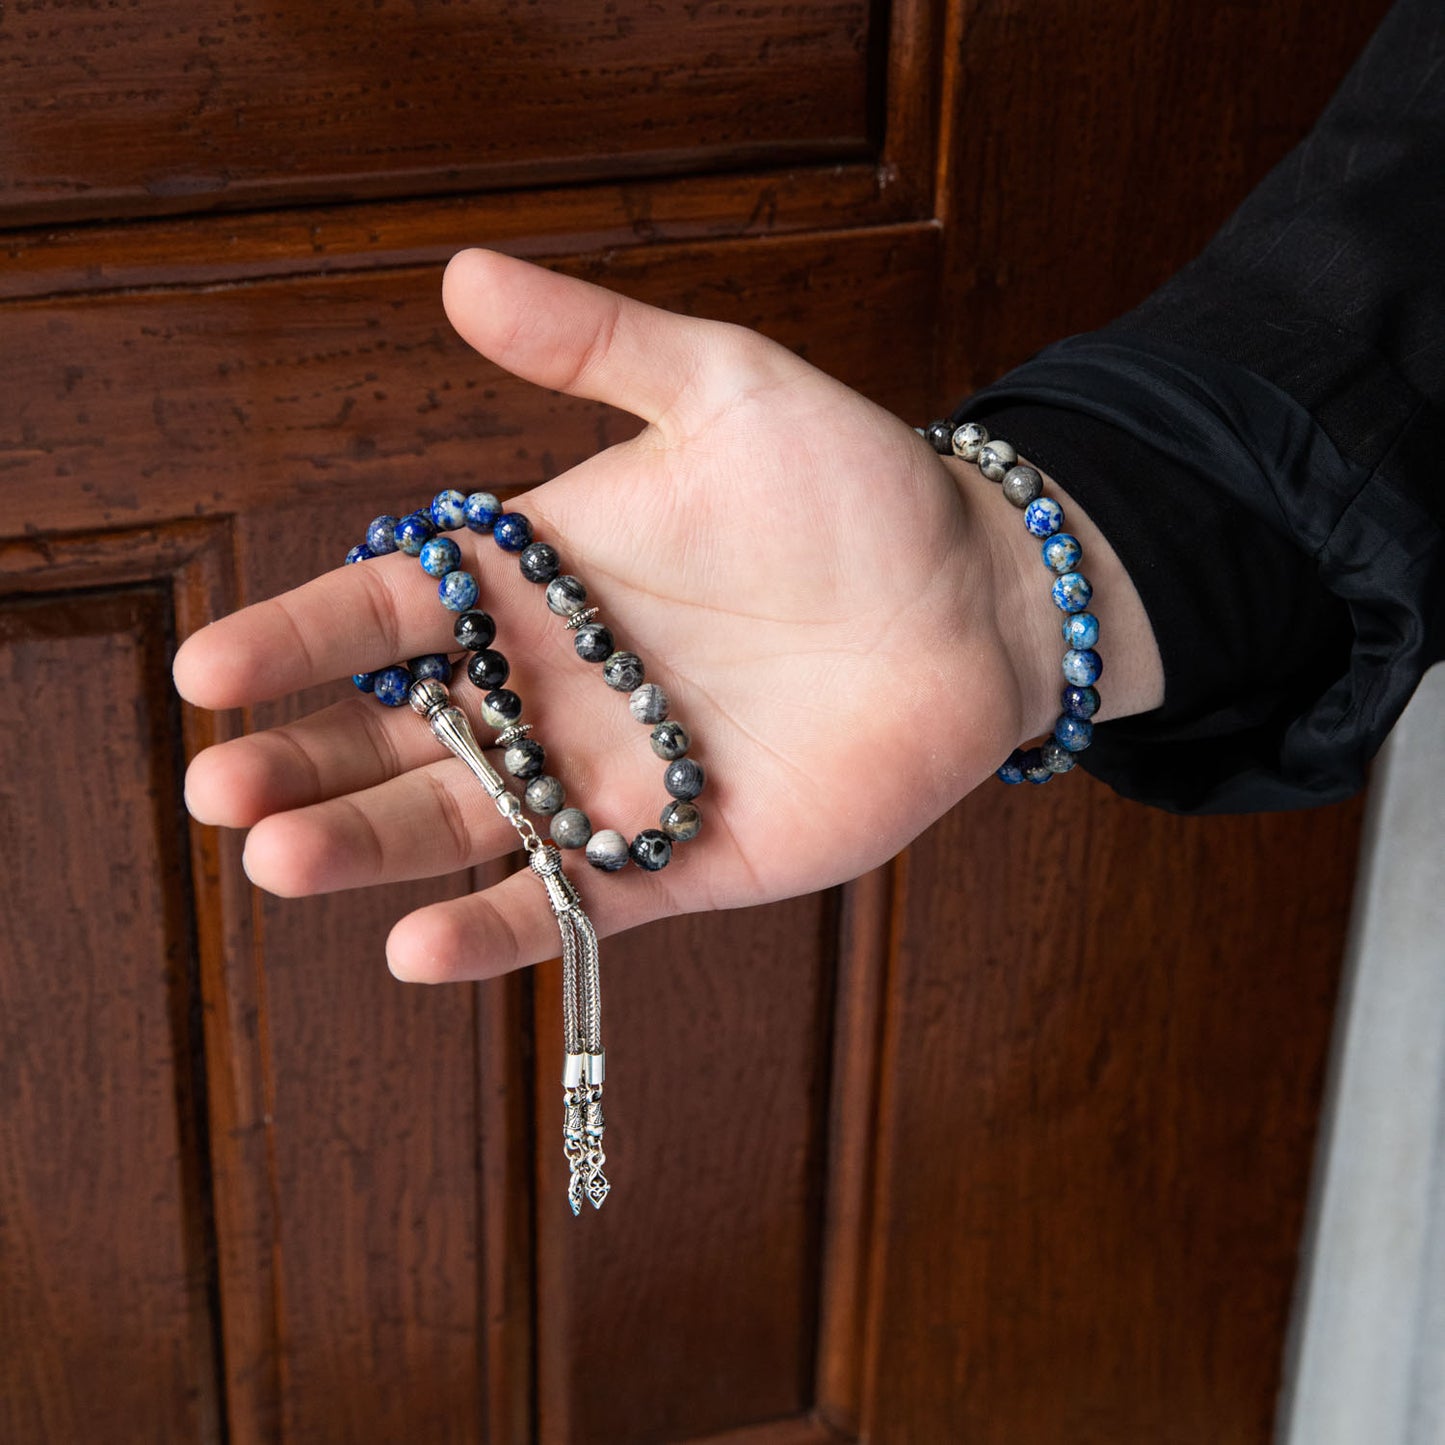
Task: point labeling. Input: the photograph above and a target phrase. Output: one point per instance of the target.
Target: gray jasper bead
(544, 795)
(1021, 485)
(651, 849)
(995, 459)
(594, 642)
(648, 704)
(967, 440)
(681, 820)
(524, 759)
(501, 707)
(607, 850)
(571, 828)
(670, 740)
(565, 595)
(684, 778)
(623, 671)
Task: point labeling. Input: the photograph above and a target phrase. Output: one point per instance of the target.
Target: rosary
(422, 682)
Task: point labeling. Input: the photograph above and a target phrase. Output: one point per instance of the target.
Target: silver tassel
(582, 1121)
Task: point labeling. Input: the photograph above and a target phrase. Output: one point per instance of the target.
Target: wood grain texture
(174, 106)
(106, 1240)
(1101, 1097)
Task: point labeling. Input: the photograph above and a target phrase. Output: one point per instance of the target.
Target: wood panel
(169, 106)
(1100, 1105)
(106, 1316)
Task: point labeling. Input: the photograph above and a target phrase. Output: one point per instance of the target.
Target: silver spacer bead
(509, 735)
(578, 618)
(427, 696)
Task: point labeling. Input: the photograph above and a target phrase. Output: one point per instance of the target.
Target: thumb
(572, 336)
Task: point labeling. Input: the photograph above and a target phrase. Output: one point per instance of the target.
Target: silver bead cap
(427, 696)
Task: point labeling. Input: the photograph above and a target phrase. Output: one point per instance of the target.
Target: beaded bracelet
(423, 683)
(1061, 552)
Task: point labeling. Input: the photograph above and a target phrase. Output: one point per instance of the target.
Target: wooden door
(1021, 1149)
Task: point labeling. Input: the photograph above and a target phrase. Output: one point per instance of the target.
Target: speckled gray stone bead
(1022, 485)
(571, 828)
(648, 704)
(594, 642)
(670, 740)
(680, 820)
(539, 562)
(545, 795)
(524, 759)
(651, 849)
(623, 671)
(968, 439)
(607, 850)
(501, 707)
(684, 778)
(995, 459)
(566, 595)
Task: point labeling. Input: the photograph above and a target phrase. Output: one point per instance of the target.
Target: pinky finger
(511, 925)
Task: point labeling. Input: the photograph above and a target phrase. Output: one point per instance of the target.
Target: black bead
(939, 435)
(684, 778)
(488, 669)
(505, 703)
(474, 631)
(594, 642)
(539, 562)
(651, 849)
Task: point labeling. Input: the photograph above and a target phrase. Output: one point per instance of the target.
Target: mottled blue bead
(359, 553)
(381, 534)
(1081, 629)
(440, 556)
(512, 531)
(365, 681)
(457, 590)
(413, 532)
(434, 664)
(1082, 666)
(1080, 701)
(1074, 733)
(1057, 758)
(392, 686)
(1062, 552)
(448, 510)
(1043, 516)
(1011, 772)
(1072, 592)
(1035, 769)
(481, 509)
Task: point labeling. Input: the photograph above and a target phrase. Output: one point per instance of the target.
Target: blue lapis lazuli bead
(1072, 592)
(1043, 517)
(1062, 552)
(1035, 769)
(413, 532)
(480, 510)
(434, 664)
(359, 553)
(381, 534)
(448, 510)
(1080, 701)
(439, 556)
(365, 681)
(1075, 733)
(1081, 629)
(1082, 666)
(512, 531)
(392, 685)
(457, 590)
(1011, 772)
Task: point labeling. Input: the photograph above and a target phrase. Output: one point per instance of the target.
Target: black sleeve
(1262, 441)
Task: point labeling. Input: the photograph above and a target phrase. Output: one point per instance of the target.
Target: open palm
(794, 566)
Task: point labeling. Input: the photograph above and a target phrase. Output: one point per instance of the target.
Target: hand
(795, 566)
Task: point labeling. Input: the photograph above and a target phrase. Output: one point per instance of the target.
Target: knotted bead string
(419, 534)
(1071, 592)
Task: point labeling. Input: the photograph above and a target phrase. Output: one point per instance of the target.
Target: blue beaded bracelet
(1071, 592)
(420, 534)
